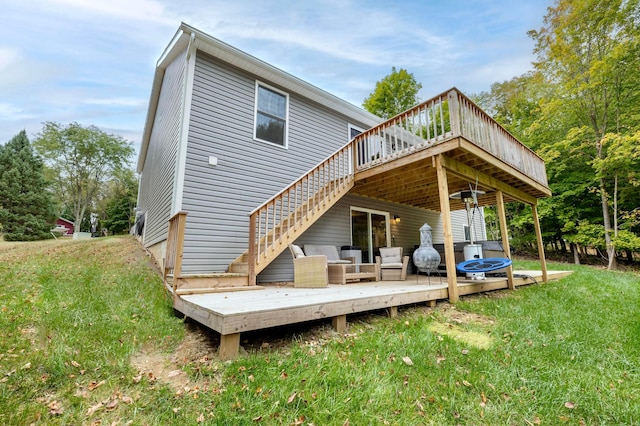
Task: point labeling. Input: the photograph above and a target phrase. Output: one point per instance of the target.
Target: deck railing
(448, 115)
(280, 220)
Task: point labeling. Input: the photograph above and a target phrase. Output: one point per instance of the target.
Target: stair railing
(278, 221)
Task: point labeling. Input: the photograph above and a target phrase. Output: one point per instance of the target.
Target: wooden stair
(286, 216)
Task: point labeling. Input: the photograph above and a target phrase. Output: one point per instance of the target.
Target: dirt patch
(468, 327)
(452, 314)
(197, 349)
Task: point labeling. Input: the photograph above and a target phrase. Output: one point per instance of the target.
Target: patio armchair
(342, 271)
(392, 265)
(308, 271)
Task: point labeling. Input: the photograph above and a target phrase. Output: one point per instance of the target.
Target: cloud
(10, 112)
(137, 10)
(8, 56)
(125, 102)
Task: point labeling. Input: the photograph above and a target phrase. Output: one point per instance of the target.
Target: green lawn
(79, 320)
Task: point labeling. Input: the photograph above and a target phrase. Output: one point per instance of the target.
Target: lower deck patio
(233, 312)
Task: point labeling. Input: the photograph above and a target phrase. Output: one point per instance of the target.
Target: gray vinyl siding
(219, 198)
(159, 170)
(459, 220)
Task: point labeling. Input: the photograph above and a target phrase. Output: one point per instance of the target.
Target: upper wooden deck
(395, 158)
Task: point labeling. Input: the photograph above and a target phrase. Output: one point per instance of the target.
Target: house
(64, 226)
(239, 159)
(205, 152)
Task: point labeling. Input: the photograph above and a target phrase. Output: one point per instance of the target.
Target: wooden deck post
(392, 311)
(339, 323)
(445, 210)
(251, 253)
(536, 224)
(502, 217)
(454, 113)
(229, 346)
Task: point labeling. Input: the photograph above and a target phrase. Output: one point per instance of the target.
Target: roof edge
(244, 61)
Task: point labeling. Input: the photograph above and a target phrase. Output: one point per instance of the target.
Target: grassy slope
(73, 313)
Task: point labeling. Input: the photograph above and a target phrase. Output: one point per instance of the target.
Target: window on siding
(271, 115)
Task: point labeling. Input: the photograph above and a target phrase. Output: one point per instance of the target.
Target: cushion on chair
(391, 265)
(296, 250)
(391, 255)
(330, 251)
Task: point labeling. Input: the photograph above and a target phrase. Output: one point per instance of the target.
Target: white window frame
(285, 144)
(350, 127)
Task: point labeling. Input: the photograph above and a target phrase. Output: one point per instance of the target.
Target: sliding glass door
(370, 230)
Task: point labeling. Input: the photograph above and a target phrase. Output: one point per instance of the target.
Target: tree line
(579, 109)
(79, 173)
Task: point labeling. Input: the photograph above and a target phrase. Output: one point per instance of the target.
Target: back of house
(225, 132)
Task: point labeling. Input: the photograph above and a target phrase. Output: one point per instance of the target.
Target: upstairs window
(272, 109)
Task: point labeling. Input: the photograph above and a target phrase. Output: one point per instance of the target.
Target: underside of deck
(231, 313)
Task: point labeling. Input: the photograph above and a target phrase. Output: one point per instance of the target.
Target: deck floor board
(275, 305)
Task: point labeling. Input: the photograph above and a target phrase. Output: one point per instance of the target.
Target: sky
(93, 61)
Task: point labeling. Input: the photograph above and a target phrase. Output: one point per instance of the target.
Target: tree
(80, 160)
(588, 50)
(393, 94)
(26, 209)
(121, 197)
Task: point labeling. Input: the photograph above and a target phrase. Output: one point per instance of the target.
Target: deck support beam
(445, 209)
(229, 346)
(339, 323)
(392, 311)
(536, 224)
(504, 232)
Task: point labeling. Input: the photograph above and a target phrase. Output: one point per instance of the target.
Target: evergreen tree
(26, 208)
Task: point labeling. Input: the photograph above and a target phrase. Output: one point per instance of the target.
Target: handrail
(450, 114)
(447, 115)
(289, 209)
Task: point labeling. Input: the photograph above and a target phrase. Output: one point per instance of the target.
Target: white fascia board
(178, 43)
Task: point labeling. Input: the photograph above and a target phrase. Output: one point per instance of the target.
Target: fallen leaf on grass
(95, 385)
(439, 359)
(111, 405)
(75, 364)
(26, 366)
(55, 408)
(200, 418)
(570, 405)
(407, 360)
(292, 397)
(93, 409)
